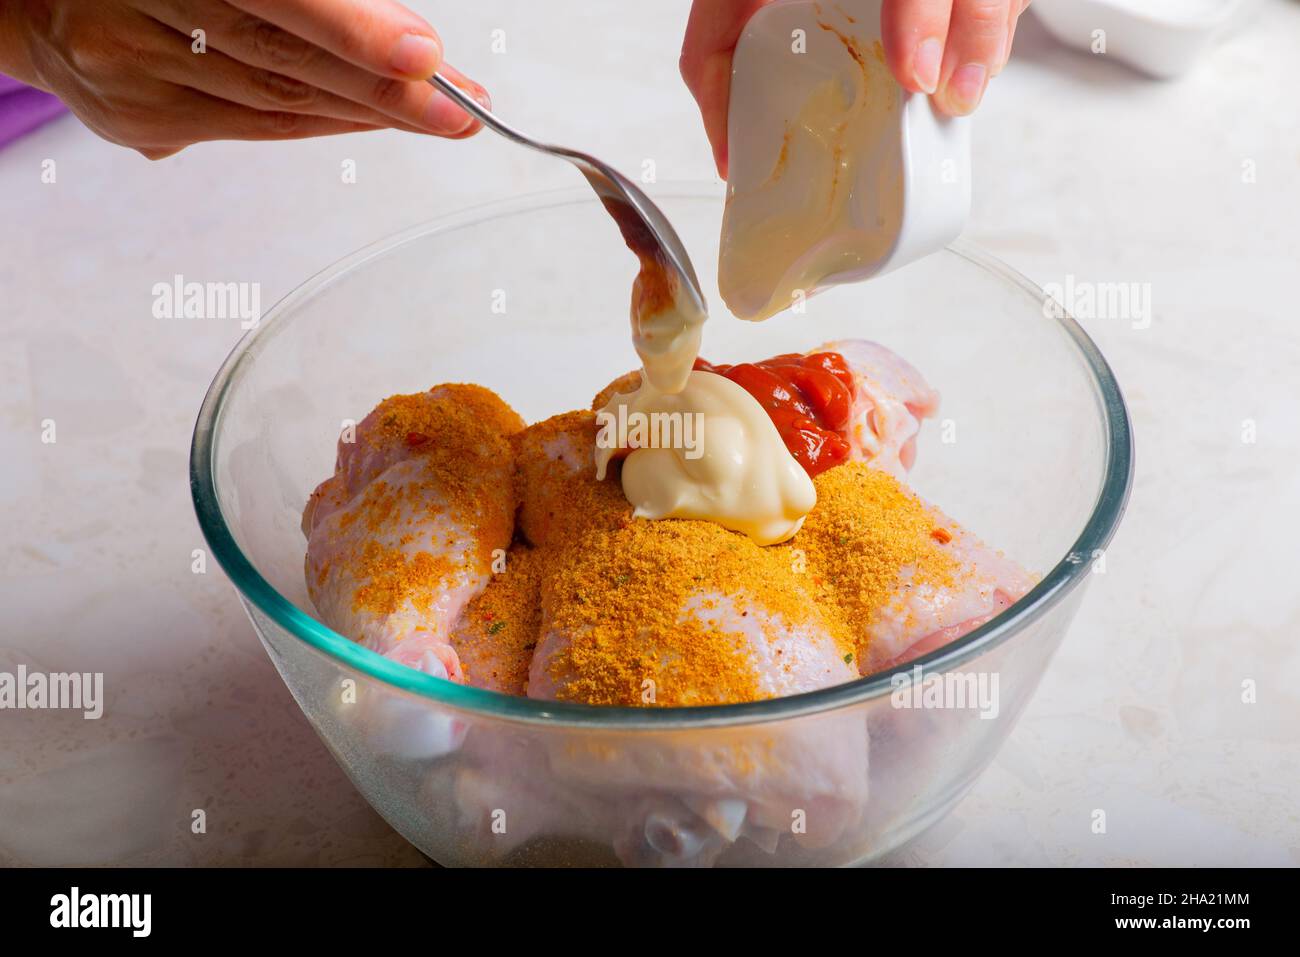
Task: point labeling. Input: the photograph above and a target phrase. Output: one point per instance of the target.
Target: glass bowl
(1031, 451)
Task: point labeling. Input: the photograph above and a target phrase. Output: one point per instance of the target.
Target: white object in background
(1160, 37)
(836, 173)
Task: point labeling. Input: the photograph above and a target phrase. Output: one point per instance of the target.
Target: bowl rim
(1067, 575)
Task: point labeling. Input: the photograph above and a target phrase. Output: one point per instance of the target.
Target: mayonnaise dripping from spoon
(736, 471)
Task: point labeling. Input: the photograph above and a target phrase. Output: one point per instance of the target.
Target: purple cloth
(23, 109)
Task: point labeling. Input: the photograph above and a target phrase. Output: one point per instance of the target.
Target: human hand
(134, 72)
(947, 48)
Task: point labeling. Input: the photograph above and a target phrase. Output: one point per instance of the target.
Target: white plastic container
(836, 173)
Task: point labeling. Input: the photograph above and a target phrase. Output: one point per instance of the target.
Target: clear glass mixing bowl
(1032, 451)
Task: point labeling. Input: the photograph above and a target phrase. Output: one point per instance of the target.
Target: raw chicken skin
(786, 659)
(403, 535)
(889, 403)
(920, 619)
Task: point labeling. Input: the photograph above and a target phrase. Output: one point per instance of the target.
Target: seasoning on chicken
(404, 533)
(455, 540)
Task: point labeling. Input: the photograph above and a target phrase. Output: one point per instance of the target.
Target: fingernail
(482, 99)
(417, 56)
(966, 87)
(445, 117)
(926, 63)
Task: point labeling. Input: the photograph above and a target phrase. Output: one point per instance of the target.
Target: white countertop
(1082, 168)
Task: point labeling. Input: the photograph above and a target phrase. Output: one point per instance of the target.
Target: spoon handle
(608, 183)
(477, 110)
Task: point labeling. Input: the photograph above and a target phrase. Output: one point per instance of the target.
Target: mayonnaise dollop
(709, 452)
(700, 446)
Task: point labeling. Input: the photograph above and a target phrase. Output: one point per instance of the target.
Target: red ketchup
(809, 399)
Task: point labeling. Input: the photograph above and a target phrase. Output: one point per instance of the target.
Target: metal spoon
(645, 228)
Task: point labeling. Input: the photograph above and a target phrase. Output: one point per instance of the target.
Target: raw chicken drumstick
(974, 582)
(637, 612)
(670, 613)
(405, 532)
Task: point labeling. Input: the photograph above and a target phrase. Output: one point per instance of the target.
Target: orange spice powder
(462, 416)
(392, 578)
(866, 529)
(499, 631)
(617, 585)
(461, 438)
